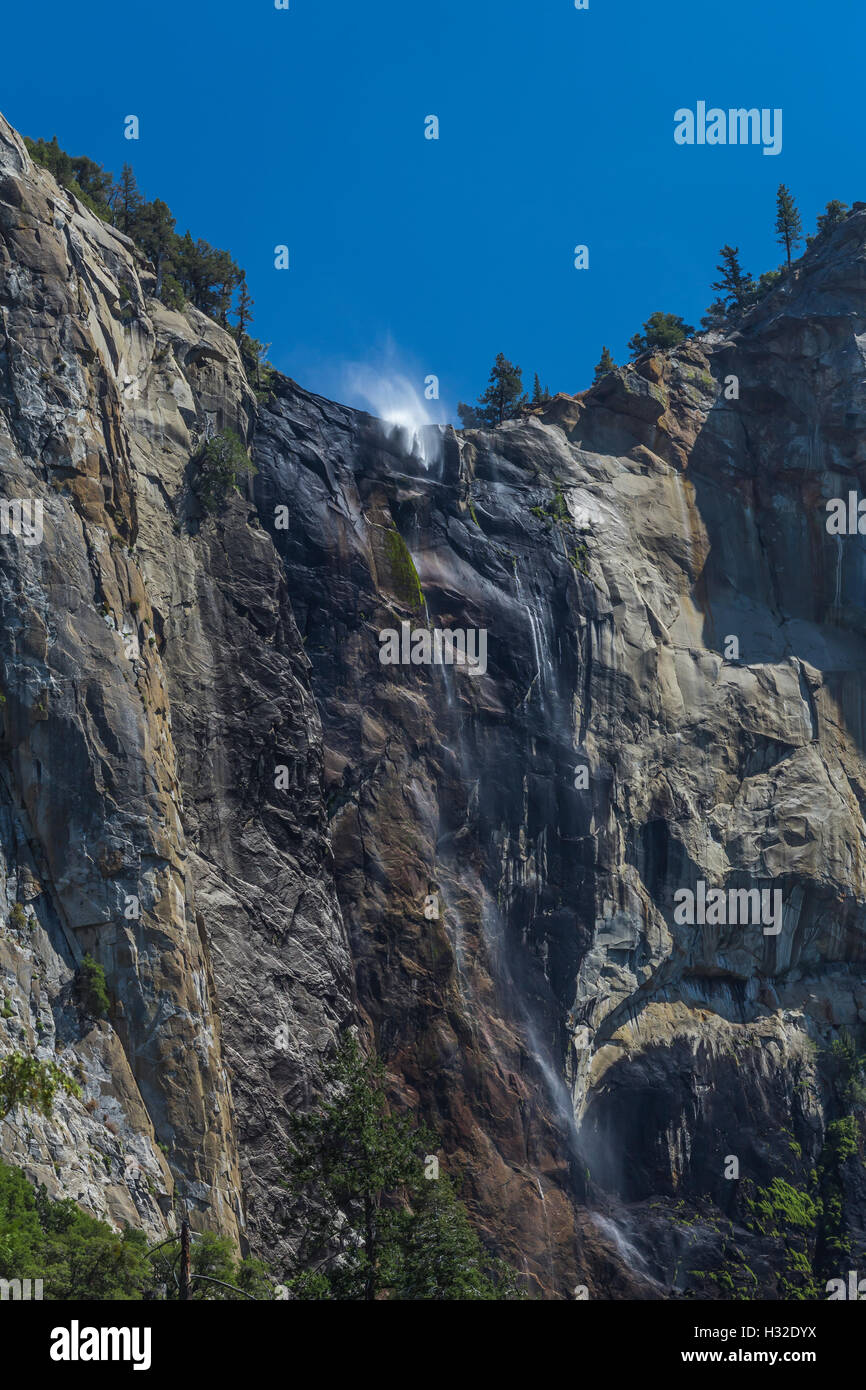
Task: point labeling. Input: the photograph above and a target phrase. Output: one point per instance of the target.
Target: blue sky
(261, 126)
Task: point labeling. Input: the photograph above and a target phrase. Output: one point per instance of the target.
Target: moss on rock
(404, 576)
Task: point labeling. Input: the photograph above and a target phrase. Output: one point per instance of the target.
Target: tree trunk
(184, 1261)
(370, 1238)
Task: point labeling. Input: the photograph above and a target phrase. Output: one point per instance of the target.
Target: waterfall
(394, 398)
(627, 1251)
(543, 664)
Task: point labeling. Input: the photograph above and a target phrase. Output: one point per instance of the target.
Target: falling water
(467, 881)
(494, 938)
(454, 920)
(423, 440)
(394, 398)
(627, 1251)
(536, 627)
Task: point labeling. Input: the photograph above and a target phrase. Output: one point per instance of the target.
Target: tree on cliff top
(736, 288)
(83, 177)
(186, 269)
(382, 1229)
(500, 401)
(604, 366)
(660, 330)
(835, 212)
(126, 200)
(789, 227)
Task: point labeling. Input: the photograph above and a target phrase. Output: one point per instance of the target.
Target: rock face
(151, 673)
(485, 867)
(673, 694)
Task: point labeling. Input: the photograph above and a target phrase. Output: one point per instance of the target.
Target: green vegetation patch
(219, 465)
(385, 1222)
(92, 988)
(404, 576)
(24, 1080)
(79, 1257)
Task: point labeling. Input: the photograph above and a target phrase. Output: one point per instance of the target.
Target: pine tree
(500, 401)
(660, 330)
(537, 393)
(215, 1269)
(834, 213)
(126, 200)
(715, 315)
(185, 269)
(469, 416)
(736, 288)
(789, 228)
(221, 463)
(377, 1227)
(94, 181)
(153, 231)
(441, 1257)
(353, 1158)
(604, 366)
(244, 308)
(208, 277)
(77, 1256)
(263, 365)
(82, 1258)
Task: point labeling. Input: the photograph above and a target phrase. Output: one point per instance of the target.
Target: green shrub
(18, 917)
(220, 462)
(780, 1208)
(662, 331)
(841, 1139)
(791, 1215)
(578, 558)
(214, 1263)
(92, 988)
(846, 1069)
(840, 1146)
(82, 177)
(768, 281)
(76, 1256)
(24, 1080)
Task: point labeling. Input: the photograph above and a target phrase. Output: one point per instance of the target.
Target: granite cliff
(213, 784)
